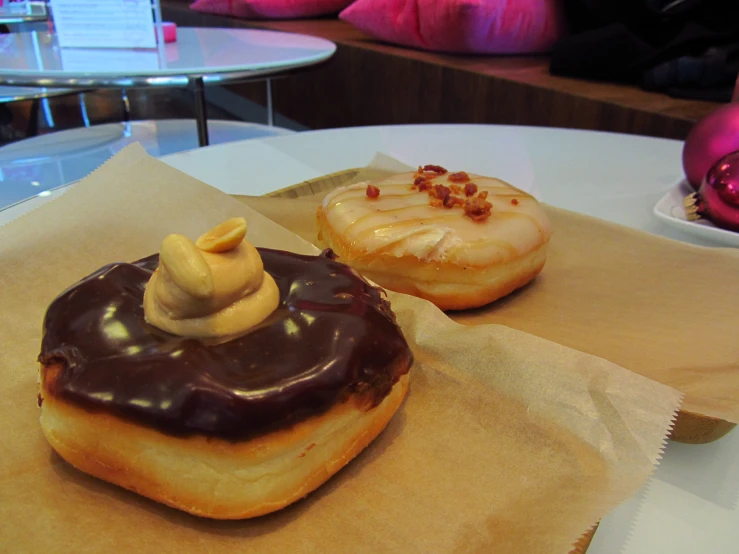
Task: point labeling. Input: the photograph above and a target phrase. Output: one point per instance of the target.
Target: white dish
(670, 209)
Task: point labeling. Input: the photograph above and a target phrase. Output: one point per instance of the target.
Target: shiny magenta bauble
(719, 193)
(712, 138)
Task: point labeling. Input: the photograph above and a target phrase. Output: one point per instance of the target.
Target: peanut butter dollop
(213, 287)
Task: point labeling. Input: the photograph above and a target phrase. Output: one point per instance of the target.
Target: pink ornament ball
(713, 137)
(719, 194)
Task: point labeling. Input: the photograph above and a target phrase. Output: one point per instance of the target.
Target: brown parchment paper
(661, 308)
(505, 443)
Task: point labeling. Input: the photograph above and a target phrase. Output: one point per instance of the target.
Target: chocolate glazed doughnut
(222, 427)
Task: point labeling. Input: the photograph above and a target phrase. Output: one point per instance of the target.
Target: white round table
(690, 504)
(199, 57)
(615, 177)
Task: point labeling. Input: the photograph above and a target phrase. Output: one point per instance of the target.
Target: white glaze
(401, 222)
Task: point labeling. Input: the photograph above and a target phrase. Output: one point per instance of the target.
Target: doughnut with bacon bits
(455, 238)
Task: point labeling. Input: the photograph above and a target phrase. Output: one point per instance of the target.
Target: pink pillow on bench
(271, 9)
(464, 26)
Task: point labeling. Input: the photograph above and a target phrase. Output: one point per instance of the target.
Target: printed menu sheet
(108, 24)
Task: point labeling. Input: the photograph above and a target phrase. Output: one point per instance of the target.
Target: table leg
(46, 106)
(126, 113)
(201, 115)
(126, 105)
(270, 109)
(32, 129)
(83, 109)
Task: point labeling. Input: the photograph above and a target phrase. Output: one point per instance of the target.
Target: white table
(615, 177)
(199, 57)
(690, 505)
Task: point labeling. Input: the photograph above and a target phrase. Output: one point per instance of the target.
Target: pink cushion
(465, 26)
(271, 9)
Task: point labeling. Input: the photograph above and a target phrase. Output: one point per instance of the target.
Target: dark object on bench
(685, 48)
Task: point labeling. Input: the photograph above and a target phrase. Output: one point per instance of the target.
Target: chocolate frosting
(333, 335)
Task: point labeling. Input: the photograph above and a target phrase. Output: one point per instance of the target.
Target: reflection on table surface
(34, 167)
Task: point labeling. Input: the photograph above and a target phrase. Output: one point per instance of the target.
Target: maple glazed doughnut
(459, 240)
(220, 415)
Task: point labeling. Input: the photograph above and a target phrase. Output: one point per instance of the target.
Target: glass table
(199, 57)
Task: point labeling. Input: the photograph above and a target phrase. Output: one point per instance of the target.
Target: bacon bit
(436, 203)
(514, 201)
(477, 209)
(422, 183)
(470, 189)
(372, 191)
(456, 189)
(483, 195)
(451, 201)
(434, 169)
(311, 445)
(440, 192)
(459, 177)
